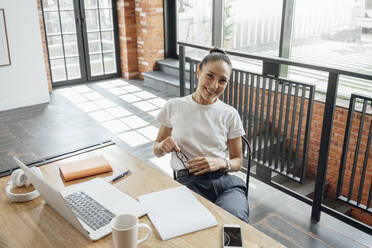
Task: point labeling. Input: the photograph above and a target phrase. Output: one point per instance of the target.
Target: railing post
(270, 69)
(182, 69)
(345, 147)
(286, 32)
(325, 141)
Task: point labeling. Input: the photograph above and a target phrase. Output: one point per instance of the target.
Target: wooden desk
(35, 224)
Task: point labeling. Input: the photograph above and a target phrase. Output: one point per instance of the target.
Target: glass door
(82, 40)
(99, 32)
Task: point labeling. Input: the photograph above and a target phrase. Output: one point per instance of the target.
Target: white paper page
(176, 211)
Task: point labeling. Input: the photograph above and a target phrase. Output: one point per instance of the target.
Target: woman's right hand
(168, 145)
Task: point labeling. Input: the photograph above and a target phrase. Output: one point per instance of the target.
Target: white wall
(24, 82)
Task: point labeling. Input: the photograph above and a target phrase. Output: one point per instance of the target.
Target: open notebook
(175, 212)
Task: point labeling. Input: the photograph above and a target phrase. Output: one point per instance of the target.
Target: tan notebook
(84, 168)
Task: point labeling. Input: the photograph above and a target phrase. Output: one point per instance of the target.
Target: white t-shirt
(200, 130)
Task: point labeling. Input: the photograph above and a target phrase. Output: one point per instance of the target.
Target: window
(82, 40)
(248, 26)
(194, 21)
(194, 24)
(333, 33)
(252, 26)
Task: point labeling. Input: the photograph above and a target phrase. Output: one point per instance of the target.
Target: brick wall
(335, 152)
(42, 30)
(150, 33)
(141, 36)
(127, 38)
(362, 216)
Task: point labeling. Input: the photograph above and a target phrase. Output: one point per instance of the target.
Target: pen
(120, 176)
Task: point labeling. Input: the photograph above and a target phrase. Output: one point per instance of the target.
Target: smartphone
(231, 236)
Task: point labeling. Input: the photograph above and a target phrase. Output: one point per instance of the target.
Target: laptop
(88, 206)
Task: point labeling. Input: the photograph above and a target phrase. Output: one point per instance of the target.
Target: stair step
(326, 186)
(274, 175)
(338, 205)
(285, 178)
(278, 178)
(171, 67)
(162, 81)
(276, 171)
(305, 189)
(173, 63)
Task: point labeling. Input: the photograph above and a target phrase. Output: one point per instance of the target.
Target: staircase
(167, 79)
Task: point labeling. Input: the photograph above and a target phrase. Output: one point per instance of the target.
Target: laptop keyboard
(88, 210)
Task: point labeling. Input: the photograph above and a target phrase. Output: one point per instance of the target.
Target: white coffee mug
(125, 230)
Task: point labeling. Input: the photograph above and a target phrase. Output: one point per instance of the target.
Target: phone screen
(232, 236)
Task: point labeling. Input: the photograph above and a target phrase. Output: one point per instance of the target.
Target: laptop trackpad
(111, 198)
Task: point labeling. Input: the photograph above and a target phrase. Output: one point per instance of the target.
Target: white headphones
(19, 179)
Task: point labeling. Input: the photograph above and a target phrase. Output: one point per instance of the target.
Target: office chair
(247, 158)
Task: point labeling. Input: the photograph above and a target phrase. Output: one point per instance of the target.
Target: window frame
(170, 27)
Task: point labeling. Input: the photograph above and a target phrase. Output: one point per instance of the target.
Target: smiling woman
(213, 74)
(203, 128)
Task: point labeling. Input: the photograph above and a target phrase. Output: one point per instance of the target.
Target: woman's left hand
(201, 165)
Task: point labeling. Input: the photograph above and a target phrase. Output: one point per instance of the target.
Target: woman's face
(212, 80)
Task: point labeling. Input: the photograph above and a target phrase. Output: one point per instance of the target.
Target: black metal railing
(271, 110)
(359, 166)
(270, 71)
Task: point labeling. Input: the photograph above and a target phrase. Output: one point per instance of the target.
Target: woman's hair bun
(215, 54)
(217, 50)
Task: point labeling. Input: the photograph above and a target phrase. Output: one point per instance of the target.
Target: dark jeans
(221, 188)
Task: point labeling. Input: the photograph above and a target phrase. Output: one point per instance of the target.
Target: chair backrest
(247, 158)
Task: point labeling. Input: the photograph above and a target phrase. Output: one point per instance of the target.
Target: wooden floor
(125, 112)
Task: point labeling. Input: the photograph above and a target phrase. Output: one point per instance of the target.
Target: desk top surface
(36, 224)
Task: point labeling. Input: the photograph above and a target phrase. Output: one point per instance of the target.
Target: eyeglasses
(181, 156)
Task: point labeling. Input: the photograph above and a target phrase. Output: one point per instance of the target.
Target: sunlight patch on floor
(133, 138)
(115, 126)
